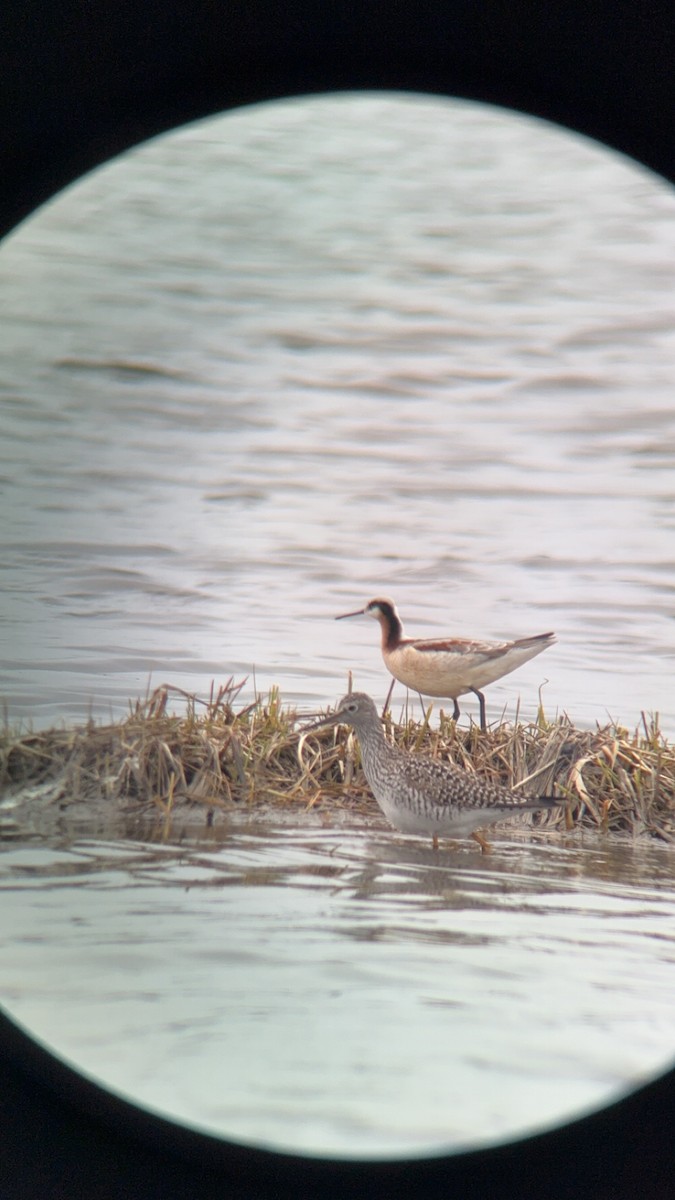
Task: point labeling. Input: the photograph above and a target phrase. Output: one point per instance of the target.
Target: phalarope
(422, 795)
(446, 667)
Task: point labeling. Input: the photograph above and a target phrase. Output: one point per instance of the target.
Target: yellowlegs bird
(422, 795)
(446, 667)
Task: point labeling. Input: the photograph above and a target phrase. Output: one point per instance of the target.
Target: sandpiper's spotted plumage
(446, 667)
(422, 795)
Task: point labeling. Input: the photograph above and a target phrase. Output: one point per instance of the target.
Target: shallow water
(255, 373)
(250, 376)
(345, 990)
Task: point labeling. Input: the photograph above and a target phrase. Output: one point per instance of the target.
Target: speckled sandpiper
(422, 795)
(446, 667)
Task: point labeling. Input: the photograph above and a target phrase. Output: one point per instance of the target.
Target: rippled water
(250, 376)
(258, 371)
(345, 990)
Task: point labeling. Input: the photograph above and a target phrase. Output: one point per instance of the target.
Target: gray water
(251, 375)
(256, 372)
(345, 990)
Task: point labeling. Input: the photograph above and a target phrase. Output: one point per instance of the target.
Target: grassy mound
(217, 756)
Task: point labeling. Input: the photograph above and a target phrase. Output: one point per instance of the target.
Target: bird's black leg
(455, 711)
(481, 702)
(386, 703)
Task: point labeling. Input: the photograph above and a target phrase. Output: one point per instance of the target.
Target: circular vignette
(71, 1137)
(82, 84)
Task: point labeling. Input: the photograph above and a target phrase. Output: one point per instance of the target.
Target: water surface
(251, 375)
(281, 361)
(344, 990)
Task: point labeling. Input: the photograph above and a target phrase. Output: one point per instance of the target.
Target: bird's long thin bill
(321, 723)
(343, 616)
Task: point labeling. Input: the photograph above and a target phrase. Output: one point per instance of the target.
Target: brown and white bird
(422, 795)
(446, 667)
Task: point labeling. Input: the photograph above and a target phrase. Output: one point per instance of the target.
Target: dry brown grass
(217, 756)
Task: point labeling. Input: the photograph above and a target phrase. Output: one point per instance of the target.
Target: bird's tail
(538, 802)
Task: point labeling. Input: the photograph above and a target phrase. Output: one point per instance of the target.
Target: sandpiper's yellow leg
(485, 846)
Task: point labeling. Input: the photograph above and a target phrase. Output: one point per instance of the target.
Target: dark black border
(64, 1136)
(82, 81)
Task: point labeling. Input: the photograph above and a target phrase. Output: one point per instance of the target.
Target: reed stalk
(221, 755)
